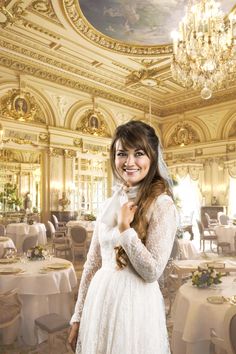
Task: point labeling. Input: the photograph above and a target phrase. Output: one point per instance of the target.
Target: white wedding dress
(121, 311)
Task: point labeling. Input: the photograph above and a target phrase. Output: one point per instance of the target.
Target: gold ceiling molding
(92, 123)
(48, 74)
(183, 135)
(198, 102)
(21, 106)
(30, 25)
(78, 142)
(27, 67)
(85, 29)
(45, 9)
(230, 148)
(142, 75)
(8, 17)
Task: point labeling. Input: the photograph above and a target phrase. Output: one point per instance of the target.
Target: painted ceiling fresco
(147, 22)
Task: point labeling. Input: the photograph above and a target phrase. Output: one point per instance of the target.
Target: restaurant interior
(70, 73)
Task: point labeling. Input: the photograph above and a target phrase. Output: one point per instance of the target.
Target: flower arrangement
(36, 253)
(204, 277)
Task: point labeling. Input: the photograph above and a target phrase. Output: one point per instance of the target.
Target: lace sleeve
(92, 264)
(150, 260)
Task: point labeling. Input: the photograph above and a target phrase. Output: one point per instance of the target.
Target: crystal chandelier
(203, 48)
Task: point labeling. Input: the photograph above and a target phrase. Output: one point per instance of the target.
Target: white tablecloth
(40, 294)
(19, 231)
(88, 225)
(4, 243)
(188, 249)
(226, 234)
(194, 316)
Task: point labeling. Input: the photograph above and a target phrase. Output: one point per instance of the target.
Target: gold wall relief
(21, 106)
(92, 123)
(11, 16)
(55, 152)
(68, 153)
(183, 135)
(43, 138)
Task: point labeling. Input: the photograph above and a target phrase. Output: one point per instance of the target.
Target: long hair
(139, 135)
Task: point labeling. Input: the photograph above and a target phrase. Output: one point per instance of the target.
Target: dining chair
(228, 340)
(10, 312)
(60, 241)
(53, 324)
(59, 225)
(205, 235)
(223, 219)
(29, 242)
(78, 240)
(2, 230)
(210, 222)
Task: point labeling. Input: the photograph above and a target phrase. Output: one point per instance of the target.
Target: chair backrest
(10, 307)
(200, 227)
(78, 234)
(51, 228)
(175, 253)
(223, 219)
(29, 242)
(230, 330)
(208, 219)
(55, 220)
(2, 230)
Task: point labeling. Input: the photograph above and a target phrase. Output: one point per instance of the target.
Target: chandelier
(203, 48)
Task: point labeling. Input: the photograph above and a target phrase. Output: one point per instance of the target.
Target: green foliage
(9, 195)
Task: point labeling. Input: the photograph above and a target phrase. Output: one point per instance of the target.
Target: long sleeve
(150, 260)
(92, 264)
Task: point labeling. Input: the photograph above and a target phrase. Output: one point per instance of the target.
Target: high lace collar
(122, 194)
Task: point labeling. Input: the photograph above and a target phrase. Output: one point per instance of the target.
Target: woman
(120, 307)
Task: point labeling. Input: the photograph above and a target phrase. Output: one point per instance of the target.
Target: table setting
(200, 305)
(45, 285)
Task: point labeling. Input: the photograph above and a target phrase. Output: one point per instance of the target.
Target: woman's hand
(126, 216)
(72, 339)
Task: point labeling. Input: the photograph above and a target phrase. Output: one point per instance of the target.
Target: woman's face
(132, 165)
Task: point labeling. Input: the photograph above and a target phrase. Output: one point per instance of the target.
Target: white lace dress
(122, 311)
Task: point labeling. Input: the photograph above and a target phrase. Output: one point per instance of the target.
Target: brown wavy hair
(139, 135)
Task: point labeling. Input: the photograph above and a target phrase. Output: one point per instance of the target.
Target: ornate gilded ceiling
(53, 41)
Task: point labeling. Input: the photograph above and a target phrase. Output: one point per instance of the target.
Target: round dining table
(44, 287)
(19, 231)
(226, 233)
(194, 316)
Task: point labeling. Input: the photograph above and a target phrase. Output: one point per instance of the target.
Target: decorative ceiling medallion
(21, 106)
(92, 123)
(9, 17)
(183, 135)
(85, 29)
(144, 77)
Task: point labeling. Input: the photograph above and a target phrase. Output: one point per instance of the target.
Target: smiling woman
(120, 306)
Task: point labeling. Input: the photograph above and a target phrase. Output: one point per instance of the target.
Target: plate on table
(216, 300)
(55, 266)
(4, 239)
(8, 260)
(9, 270)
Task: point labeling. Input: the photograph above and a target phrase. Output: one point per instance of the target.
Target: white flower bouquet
(206, 276)
(36, 253)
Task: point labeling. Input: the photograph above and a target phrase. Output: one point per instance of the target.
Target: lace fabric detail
(150, 260)
(93, 263)
(113, 293)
